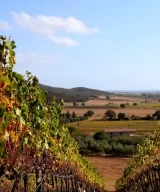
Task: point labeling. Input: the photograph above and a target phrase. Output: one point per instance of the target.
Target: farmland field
(99, 113)
(94, 126)
(110, 168)
(117, 100)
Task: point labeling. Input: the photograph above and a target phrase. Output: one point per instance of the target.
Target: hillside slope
(80, 94)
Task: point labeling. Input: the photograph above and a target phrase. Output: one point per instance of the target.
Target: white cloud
(50, 24)
(4, 25)
(63, 41)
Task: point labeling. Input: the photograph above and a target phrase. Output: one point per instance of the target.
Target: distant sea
(135, 91)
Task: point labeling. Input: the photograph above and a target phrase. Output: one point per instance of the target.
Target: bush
(117, 148)
(128, 140)
(89, 113)
(74, 115)
(102, 143)
(101, 136)
(156, 115)
(121, 116)
(128, 149)
(127, 118)
(133, 117)
(135, 104)
(108, 97)
(74, 103)
(83, 104)
(122, 105)
(110, 114)
(107, 148)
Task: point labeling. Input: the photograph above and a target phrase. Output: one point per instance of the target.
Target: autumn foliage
(30, 133)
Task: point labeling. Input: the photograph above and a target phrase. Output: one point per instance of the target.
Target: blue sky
(108, 45)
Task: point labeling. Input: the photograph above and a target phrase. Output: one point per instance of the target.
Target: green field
(148, 105)
(94, 126)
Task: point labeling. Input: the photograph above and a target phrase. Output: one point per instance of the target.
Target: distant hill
(77, 94)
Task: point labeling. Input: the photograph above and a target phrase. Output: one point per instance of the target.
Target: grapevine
(30, 132)
(146, 159)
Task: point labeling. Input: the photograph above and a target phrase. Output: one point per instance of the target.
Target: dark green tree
(83, 104)
(74, 115)
(89, 113)
(122, 105)
(134, 104)
(148, 117)
(156, 115)
(101, 136)
(74, 103)
(108, 97)
(110, 114)
(68, 115)
(121, 116)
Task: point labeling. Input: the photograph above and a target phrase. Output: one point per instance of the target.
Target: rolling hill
(77, 94)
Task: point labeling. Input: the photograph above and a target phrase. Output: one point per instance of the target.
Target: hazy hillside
(75, 94)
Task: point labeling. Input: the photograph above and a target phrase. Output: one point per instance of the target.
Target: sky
(102, 44)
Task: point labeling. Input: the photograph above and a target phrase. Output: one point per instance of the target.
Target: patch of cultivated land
(99, 113)
(110, 168)
(95, 126)
(117, 100)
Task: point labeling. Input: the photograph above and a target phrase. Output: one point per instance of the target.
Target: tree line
(72, 117)
(111, 115)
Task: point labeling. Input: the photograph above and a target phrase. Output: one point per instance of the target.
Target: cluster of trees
(111, 115)
(89, 113)
(77, 105)
(102, 143)
(72, 117)
(124, 105)
(150, 95)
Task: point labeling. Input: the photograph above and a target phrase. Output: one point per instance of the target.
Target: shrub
(89, 113)
(74, 103)
(122, 105)
(148, 117)
(156, 115)
(128, 149)
(110, 114)
(83, 104)
(108, 97)
(74, 115)
(134, 104)
(101, 136)
(121, 116)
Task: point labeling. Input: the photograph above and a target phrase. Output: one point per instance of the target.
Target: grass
(151, 104)
(94, 126)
